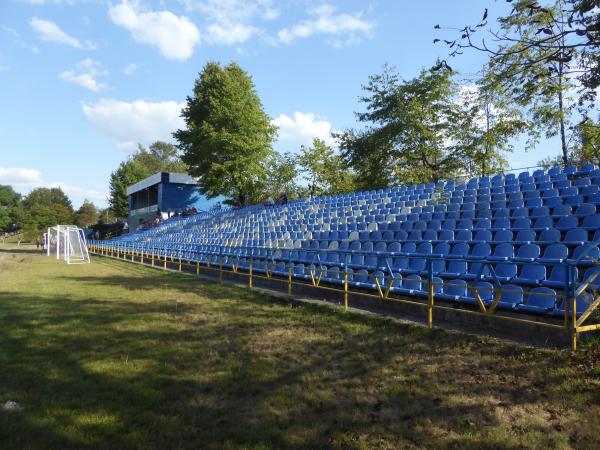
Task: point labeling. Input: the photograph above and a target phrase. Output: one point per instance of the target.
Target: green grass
(113, 355)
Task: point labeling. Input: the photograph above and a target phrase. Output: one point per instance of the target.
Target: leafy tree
(129, 172)
(228, 136)
(281, 172)
(11, 209)
(158, 157)
(46, 207)
(563, 32)
(324, 170)
(87, 214)
(587, 140)
(106, 215)
(540, 53)
(495, 121)
(415, 130)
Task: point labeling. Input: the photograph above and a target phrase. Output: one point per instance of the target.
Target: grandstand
(523, 244)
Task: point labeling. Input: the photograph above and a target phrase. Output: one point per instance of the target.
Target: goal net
(67, 242)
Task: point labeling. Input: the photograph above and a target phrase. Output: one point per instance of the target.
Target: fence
(573, 307)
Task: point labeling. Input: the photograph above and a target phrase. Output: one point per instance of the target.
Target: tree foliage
(228, 136)
(541, 55)
(324, 170)
(11, 209)
(158, 157)
(87, 214)
(281, 174)
(496, 120)
(46, 207)
(415, 130)
(564, 32)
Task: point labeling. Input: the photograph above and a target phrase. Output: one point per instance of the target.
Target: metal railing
(270, 263)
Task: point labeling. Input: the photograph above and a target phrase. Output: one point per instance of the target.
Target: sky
(83, 81)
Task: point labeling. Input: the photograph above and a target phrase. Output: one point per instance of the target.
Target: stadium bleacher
(531, 237)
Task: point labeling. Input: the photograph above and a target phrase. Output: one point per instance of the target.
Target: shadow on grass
(232, 369)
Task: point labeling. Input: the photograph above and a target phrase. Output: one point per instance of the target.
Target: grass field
(113, 355)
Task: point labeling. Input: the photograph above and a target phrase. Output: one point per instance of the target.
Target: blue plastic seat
(485, 291)
(526, 236)
(585, 209)
(482, 236)
(531, 274)
(549, 236)
(540, 300)
(591, 222)
(558, 276)
(505, 271)
(528, 252)
(503, 236)
(586, 254)
(582, 303)
(561, 210)
(567, 223)
(576, 236)
(463, 235)
(543, 223)
(540, 211)
(502, 252)
(511, 296)
(554, 253)
(455, 289)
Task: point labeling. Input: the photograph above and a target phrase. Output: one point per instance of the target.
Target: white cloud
(19, 176)
(84, 74)
(131, 122)
(43, 2)
(303, 127)
(175, 36)
(232, 22)
(50, 32)
(347, 28)
(130, 68)
(26, 179)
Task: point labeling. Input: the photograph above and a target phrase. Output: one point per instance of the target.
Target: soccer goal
(67, 242)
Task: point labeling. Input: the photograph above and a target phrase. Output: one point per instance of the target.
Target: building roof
(173, 177)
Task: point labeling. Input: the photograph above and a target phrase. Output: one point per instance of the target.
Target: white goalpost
(67, 242)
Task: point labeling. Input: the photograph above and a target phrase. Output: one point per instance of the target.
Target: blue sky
(82, 81)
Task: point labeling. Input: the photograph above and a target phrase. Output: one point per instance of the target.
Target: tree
(106, 215)
(129, 172)
(324, 170)
(46, 207)
(587, 141)
(11, 209)
(415, 130)
(565, 32)
(158, 157)
(87, 214)
(228, 136)
(281, 173)
(496, 121)
(537, 60)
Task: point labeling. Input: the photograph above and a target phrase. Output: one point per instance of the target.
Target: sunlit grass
(114, 355)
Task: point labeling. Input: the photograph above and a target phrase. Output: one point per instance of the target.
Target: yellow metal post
(180, 263)
(165, 262)
(132, 255)
(152, 257)
(345, 291)
(250, 276)
(289, 280)
(197, 268)
(574, 323)
(430, 306)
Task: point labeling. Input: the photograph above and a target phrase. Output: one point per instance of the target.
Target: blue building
(165, 191)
